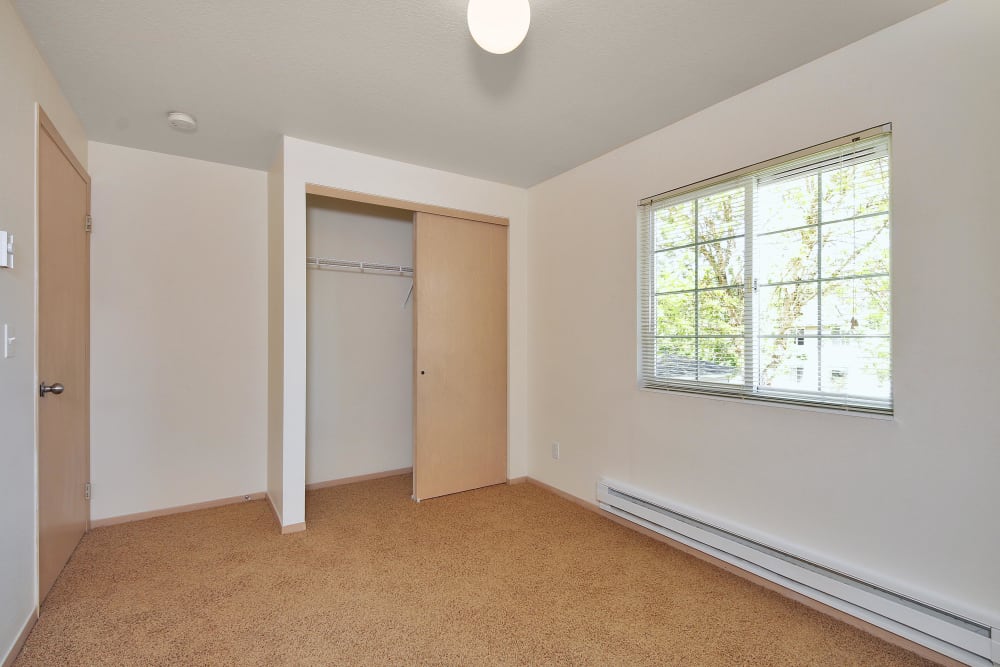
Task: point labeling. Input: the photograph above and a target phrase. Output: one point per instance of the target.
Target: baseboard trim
(837, 614)
(180, 509)
(274, 510)
(22, 637)
(293, 528)
(518, 480)
(315, 486)
(285, 530)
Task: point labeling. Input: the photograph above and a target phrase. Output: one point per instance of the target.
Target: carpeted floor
(504, 575)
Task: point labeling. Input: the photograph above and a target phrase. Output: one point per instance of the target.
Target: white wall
(275, 330)
(306, 162)
(178, 331)
(359, 415)
(25, 80)
(911, 502)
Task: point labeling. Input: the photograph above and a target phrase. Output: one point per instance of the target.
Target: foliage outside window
(774, 285)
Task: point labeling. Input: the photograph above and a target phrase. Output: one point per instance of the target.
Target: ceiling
(404, 79)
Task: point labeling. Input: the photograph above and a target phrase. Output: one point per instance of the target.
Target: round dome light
(184, 122)
(499, 26)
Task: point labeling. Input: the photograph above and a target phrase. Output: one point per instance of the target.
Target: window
(772, 283)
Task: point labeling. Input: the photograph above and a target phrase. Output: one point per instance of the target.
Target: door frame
(45, 125)
(402, 204)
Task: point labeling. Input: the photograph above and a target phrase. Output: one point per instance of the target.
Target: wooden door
(63, 353)
(460, 355)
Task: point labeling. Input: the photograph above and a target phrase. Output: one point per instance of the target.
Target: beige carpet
(504, 575)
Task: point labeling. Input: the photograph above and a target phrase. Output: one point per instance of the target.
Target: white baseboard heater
(966, 640)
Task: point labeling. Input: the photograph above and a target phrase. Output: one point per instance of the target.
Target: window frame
(647, 295)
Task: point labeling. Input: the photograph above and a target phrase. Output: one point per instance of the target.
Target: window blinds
(772, 283)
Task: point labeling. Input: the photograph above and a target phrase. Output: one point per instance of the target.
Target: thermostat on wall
(6, 250)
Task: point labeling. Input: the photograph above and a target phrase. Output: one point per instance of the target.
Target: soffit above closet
(405, 80)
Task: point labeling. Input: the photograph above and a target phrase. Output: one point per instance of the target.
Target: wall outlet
(555, 451)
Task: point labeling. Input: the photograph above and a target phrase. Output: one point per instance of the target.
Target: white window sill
(770, 404)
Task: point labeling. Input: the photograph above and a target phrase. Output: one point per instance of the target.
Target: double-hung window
(772, 282)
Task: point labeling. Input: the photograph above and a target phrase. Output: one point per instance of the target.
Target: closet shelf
(362, 267)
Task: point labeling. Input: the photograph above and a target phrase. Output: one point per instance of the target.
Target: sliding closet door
(460, 355)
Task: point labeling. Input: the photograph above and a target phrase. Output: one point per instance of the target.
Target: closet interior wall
(359, 410)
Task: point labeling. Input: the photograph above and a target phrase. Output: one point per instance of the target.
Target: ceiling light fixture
(499, 26)
(184, 122)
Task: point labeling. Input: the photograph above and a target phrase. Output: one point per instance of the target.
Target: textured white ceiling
(403, 78)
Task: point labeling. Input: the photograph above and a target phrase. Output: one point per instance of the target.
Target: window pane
(789, 363)
(720, 312)
(856, 190)
(675, 358)
(675, 270)
(787, 204)
(856, 306)
(787, 256)
(721, 214)
(858, 366)
(721, 264)
(721, 360)
(674, 225)
(675, 315)
(856, 247)
(814, 320)
(788, 309)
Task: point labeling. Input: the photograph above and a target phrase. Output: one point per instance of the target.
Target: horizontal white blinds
(774, 284)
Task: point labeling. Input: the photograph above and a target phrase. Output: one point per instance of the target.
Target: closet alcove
(406, 343)
(359, 341)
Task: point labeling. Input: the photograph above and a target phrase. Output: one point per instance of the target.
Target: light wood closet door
(460, 355)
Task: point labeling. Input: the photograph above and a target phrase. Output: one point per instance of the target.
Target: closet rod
(364, 267)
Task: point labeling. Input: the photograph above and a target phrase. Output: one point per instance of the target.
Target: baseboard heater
(966, 640)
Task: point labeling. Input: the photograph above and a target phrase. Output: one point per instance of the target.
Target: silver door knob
(56, 389)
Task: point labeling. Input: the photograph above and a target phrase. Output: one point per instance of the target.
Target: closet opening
(406, 368)
(359, 341)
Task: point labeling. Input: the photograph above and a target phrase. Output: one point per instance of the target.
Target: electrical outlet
(555, 450)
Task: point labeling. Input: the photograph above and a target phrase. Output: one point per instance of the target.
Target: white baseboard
(208, 504)
(313, 486)
(22, 637)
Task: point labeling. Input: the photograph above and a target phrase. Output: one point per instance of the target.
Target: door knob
(56, 389)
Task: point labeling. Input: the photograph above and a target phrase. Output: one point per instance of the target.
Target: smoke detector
(182, 121)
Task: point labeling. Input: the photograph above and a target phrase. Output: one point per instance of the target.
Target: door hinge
(88, 225)
(86, 491)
